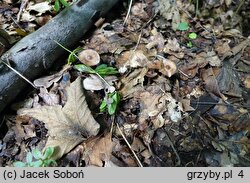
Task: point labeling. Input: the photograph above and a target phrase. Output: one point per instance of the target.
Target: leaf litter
(184, 102)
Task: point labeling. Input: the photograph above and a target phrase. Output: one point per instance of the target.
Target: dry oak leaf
(66, 125)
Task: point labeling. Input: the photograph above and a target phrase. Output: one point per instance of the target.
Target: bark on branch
(38, 51)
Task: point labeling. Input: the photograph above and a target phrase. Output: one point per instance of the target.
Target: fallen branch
(37, 52)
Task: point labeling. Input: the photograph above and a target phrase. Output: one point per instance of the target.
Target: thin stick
(138, 42)
(136, 157)
(19, 74)
(23, 4)
(129, 9)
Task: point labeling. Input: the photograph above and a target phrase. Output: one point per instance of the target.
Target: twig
(138, 42)
(18, 73)
(22, 6)
(175, 151)
(128, 12)
(136, 157)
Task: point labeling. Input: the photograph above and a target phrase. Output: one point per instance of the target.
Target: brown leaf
(132, 82)
(47, 81)
(211, 83)
(99, 150)
(66, 125)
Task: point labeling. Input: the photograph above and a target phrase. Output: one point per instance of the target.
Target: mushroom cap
(89, 57)
(169, 68)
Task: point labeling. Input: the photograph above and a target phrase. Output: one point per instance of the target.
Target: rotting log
(37, 52)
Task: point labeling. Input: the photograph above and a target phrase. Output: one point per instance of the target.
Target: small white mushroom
(89, 57)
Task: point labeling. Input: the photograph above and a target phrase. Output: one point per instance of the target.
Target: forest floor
(165, 83)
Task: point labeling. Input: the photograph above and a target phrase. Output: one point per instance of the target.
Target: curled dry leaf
(89, 57)
(132, 59)
(211, 83)
(47, 81)
(138, 10)
(69, 125)
(132, 82)
(157, 41)
(173, 48)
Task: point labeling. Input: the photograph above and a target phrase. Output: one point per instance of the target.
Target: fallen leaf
(134, 59)
(66, 126)
(157, 41)
(99, 150)
(47, 81)
(40, 7)
(169, 10)
(211, 83)
(228, 81)
(138, 10)
(173, 48)
(131, 81)
(49, 98)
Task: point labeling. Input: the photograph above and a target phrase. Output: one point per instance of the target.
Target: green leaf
(57, 6)
(19, 164)
(48, 152)
(64, 3)
(190, 44)
(192, 35)
(29, 157)
(84, 68)
(104, 70)
(115, 101)
(37, 154)
(38, 163)
(103, 106)
(183, 26)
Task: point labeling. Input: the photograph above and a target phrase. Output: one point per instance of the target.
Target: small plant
(58, 4)
(38, 159)
(192, 35)
(110, 103)
(184, 26)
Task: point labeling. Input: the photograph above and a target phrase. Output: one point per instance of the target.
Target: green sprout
(192, 35)
(110, 103)
(40, 159)
(190, 44)
(184, 26)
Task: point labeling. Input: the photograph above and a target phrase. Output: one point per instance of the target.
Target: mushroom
(89, 57)
(169, 68)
